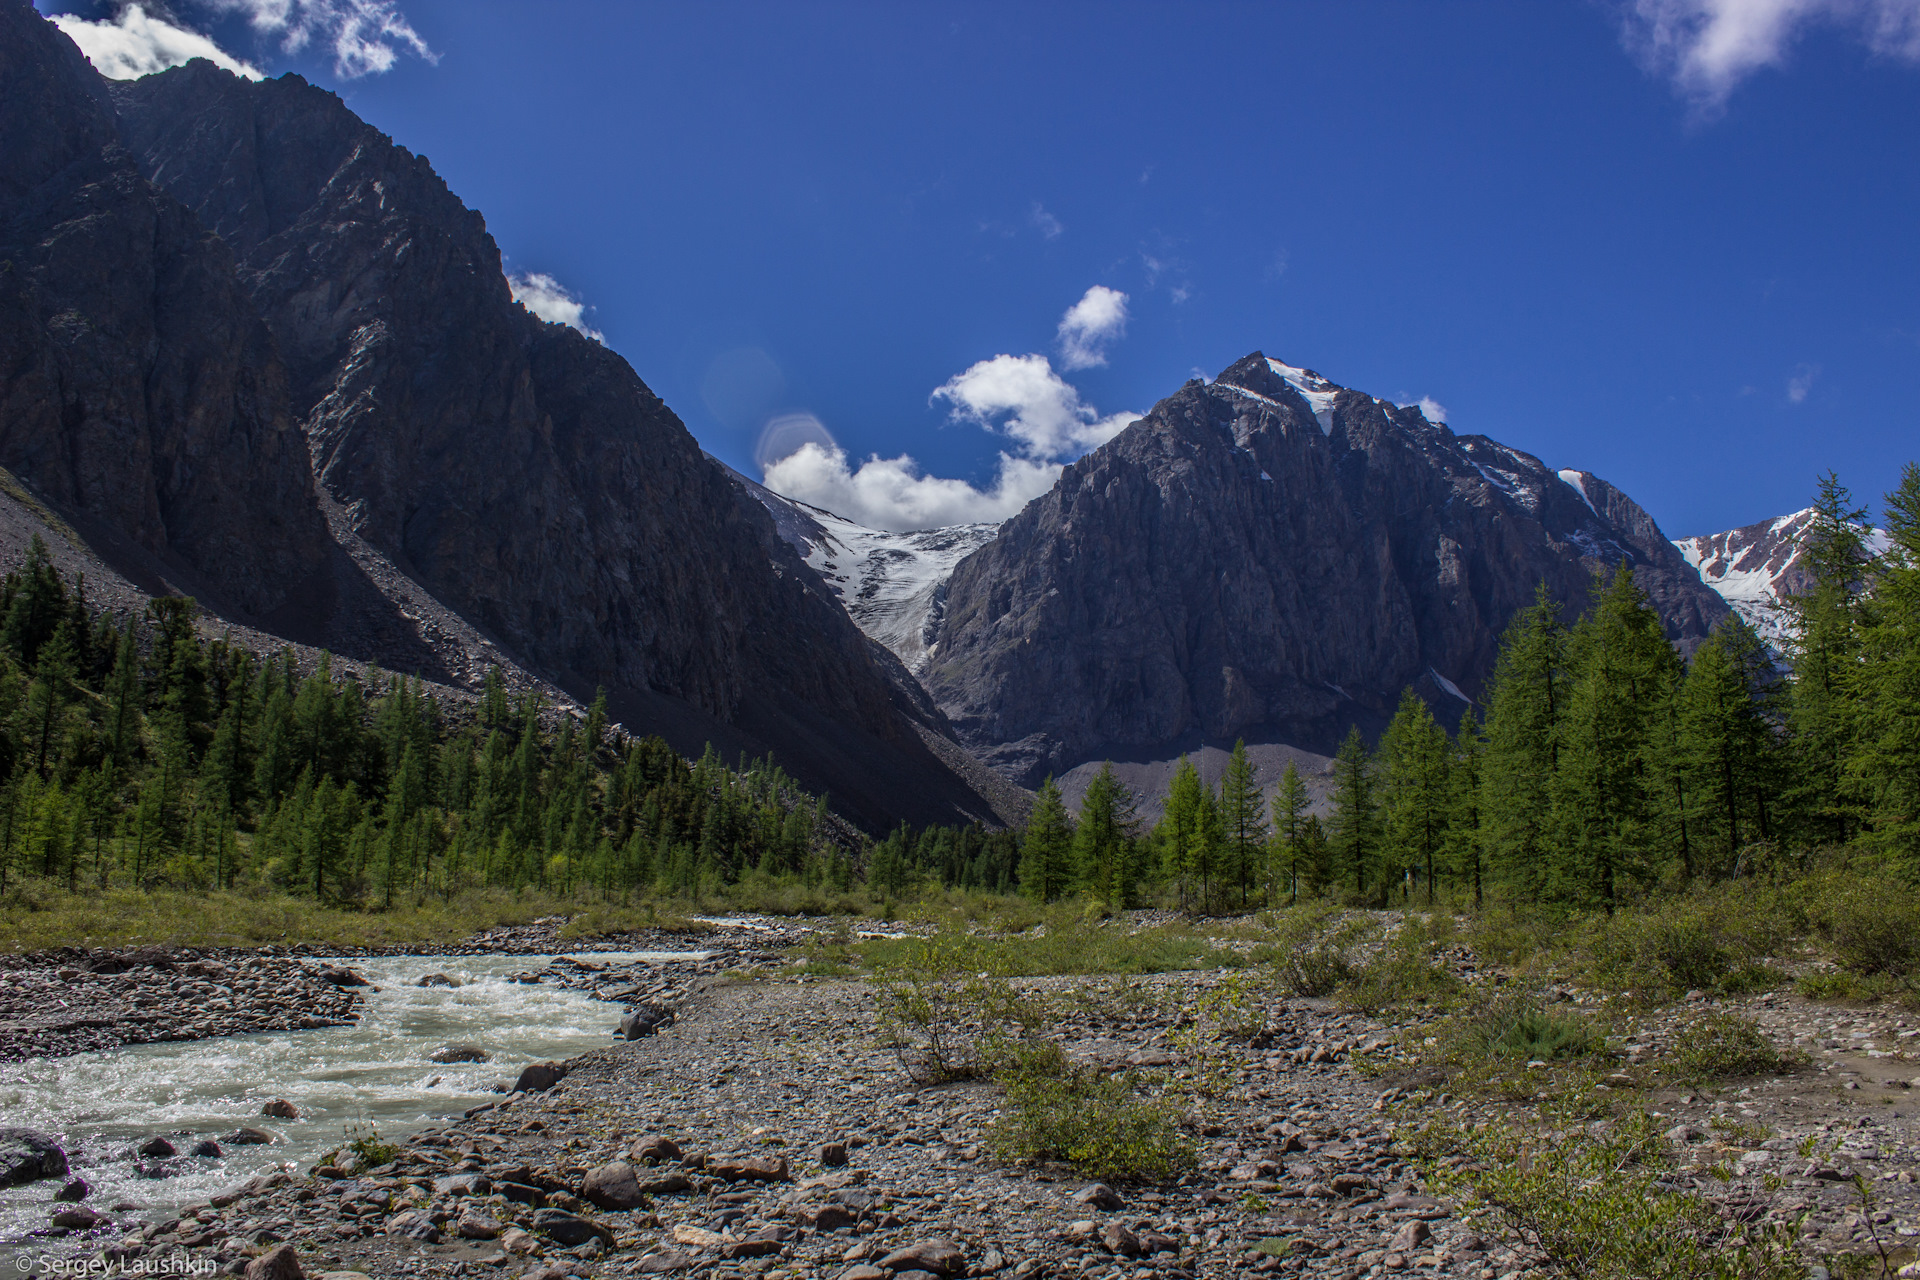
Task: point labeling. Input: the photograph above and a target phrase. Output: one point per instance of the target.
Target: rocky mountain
(1754, 566)
(1272, 556)
(893, 585)
(245, 335)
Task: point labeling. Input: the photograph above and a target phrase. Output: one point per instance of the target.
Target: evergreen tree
(1046, 855)
(1883, 757)
(1290, 802)
(1727, 749)
(1355, 819)
(1415, 791)
(1103, 851)
(1178, 824)
(1243, 817)
(1466, 835)
(1525, 703)
(1824, 643)
(1607, 781)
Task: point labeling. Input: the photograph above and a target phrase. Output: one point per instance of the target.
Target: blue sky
(1672, 242)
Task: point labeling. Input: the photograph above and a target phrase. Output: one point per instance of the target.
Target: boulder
(414, 1225)
(206, 1147)
(538, 1077)
(941, 1257)
(749, 1168)
(281, 1109)
(459, 1053)
(666, 1184)
(645, 1021)
(436, 980)
(569, 1229)
(1410, 1237)
(833, 1154)
(158, 1148)
(78, 1218)
(340, 976)
(1099, 1196)
(27, 1156)
(74, 1191)
(477, 1226)
(280, 1263)
(1121, 1241)
(612, 1186)
(247, 1137)
(656, 1149)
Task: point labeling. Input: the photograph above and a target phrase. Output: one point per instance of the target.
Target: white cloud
(135, 44)
(548, 298)
(891, 493)
(1090, 324)
(1048, 225)
(1801, 382)
(365, 37)
(1022, 397)
(1707, 47)
(1431, 409)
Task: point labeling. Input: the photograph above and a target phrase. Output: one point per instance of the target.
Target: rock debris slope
(1275, 556)
(241, 328)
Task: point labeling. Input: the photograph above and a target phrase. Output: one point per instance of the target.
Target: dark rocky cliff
(1274, 556)
(138, 387)
(243, 330)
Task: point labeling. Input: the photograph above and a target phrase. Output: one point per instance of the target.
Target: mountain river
(346, 1082)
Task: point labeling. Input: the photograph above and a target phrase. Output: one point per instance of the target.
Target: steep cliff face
(1270, 555)
(244, 333)
(517, 469)
(137, 386)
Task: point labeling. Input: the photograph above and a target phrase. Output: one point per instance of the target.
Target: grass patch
(610, 921)
(1405, 972)
(38, 917)
(1102, 947)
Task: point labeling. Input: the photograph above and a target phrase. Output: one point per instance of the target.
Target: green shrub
(1841, 985)
(1726, 1045)
(1101, 1125)
(1874, 929)
(1594, 1202)
(1541, 1034)
(947, 1010)
(1405, 972)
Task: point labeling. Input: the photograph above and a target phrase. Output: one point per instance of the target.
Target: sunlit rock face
(1275, 556)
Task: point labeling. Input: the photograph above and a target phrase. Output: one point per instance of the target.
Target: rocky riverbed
(767, 1129)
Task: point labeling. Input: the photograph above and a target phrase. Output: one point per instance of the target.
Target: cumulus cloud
(1801, 382)
(1090, 324)
(1707, 47)
(547, 298)
(1048, 225)
(1023, 398)
(134, 43)
(1431, 409)
(893, 494)
(364, 37)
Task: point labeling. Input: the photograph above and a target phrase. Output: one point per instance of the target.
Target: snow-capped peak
(1577, 481)
(1316, 390)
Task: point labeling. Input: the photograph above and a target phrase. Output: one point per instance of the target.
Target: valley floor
(1307, 1158)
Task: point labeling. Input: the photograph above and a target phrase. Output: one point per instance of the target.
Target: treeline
(143, 754)
(1604, 763)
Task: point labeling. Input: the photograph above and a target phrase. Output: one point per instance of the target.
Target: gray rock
(208, 1148)
(1410, 1237)
(78, 1218)
(612, 1186)
(27, 1156)
(158, 1148)
(570, 1229)
(279, 1263)
(935, 1255)
(1099, 1196)
(414, 1225)
(247, 1137)
(281, 1109)
(75, 1190)
(459, 1053)
(538, 1077)
(439, 980)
